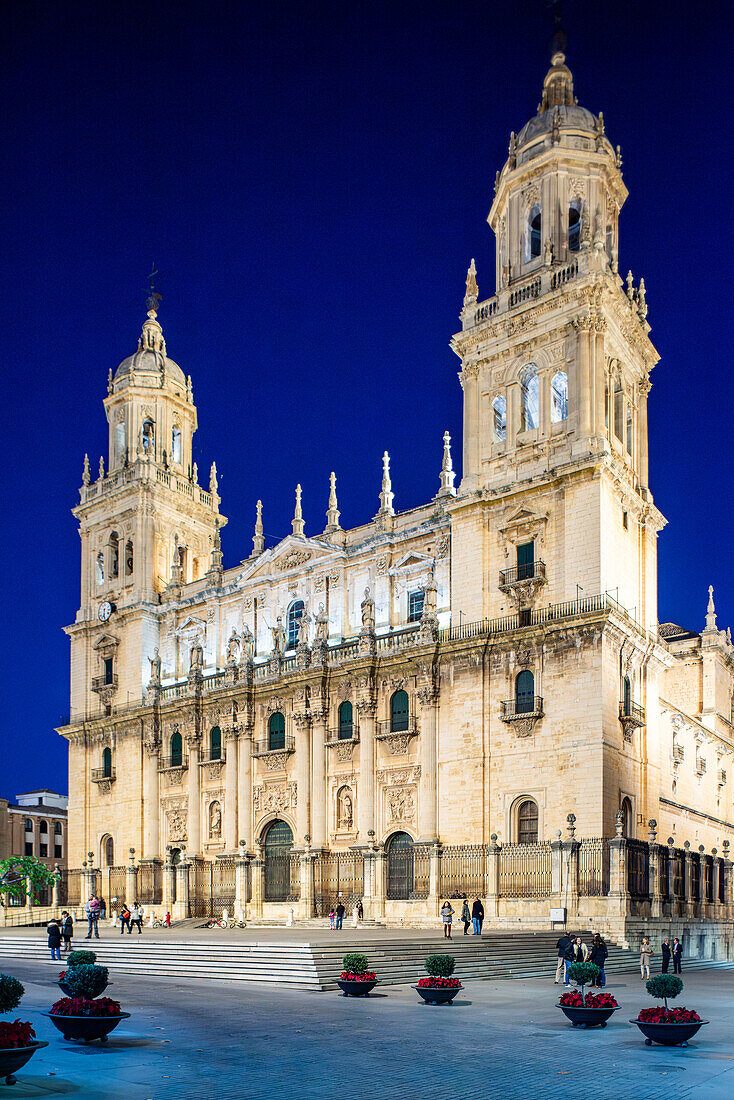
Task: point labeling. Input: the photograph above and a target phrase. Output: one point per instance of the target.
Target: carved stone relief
(274, 798)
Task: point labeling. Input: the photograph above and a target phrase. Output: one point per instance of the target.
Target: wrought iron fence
(150, 884)
(679, 874)
(664, 868)
(708, 878)
(338, 876)
(695, 881)
(117, 888)
(594, 867)
(525, 870)
(463, 871)
(408, 872)
(721, 884)
(638, 868)
(223, 885)
(200, 888)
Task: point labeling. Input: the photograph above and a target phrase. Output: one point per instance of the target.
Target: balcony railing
(394, 727)
(342, 733)
(533, 571)
(268, 745)
(217, 756)
(103, 775)
(178, 760)
(631, 714)
(99, 683)
(528, 707)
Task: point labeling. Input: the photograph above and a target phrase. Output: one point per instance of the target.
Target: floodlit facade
(414, 707)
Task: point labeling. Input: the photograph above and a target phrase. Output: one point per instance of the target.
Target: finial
(151, 302)
(447, 469)
(512, 151)
(297, 521)
(711, 611)
(258, 543)
(109, 381)
(386, 496)
(472, 290)
(332, 515)
(630, 288)
(195, 473)
(101, 466)
(85, 471)
(641, 303)
(213, 483)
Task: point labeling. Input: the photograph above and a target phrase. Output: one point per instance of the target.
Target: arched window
(559, 397)
(574, 225)
(215, 743)
(626, 695)
(530, 408)
(399, 712)
(400, 866)
(176, 444)
(148, 437)
(43, 827)
(57, 828)
(108, 852)
(627, 826)
(107, 762)
(295, 614)
(277, 844)
(120, 441)
(618, 410)
(175, 856)
(525, 692)
(533, 232)
(276, 731)
(527, 822)
(346, 721)
(114, 554)
(29, 824)
(629, 431)
(499, 417)
(129, 558)
(176, 750)
(99, 568)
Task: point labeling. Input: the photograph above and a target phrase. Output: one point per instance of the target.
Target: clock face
(105, 610)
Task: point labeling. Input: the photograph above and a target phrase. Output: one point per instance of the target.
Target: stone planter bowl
(87, 1028)
(439, 994)
(355, 989)
(15, 1058)
(580, 1016)
(668, 1035)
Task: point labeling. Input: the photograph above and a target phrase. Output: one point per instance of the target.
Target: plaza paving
(504, 1039)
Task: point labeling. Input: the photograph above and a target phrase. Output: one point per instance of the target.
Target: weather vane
(153, 298)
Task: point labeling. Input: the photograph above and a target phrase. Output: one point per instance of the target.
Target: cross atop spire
(297, 521)
(386, 496)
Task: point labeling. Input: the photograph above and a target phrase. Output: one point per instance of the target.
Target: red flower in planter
(439, 983)
(83, 1006)
(367, 976)
(571, 1000)
(668, 1016)
(18, 1034)
(600, 1000)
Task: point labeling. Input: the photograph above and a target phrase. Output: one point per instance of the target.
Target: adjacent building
(35, 825)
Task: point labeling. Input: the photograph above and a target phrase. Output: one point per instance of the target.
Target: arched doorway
(108, 852)
(400, 867)
(278, 844)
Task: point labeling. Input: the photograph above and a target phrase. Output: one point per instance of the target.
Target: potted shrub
(84, 980)
(668, 1026)
(81, 958)
(18, 1041)
(439, 988)
(356, 979)
(592, 1010)
(85, 1018)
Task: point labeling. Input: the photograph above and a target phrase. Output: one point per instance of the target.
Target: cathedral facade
(482, 674)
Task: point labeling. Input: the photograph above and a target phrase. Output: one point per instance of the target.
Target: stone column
(318, 779)
(257, 868)
(643, 467)
(429, 766)
(241, 868)
(571, 874)
(368, 886)
(618, 892)
(379, 884)
(653, 871)
(470, 464)
(231, 792)
(303, 777)
(169, 882)
(307, 902)
(194, 815)
(151, 805)
(89, 879)
(366, 788)
(582, 370)
(689, 906)
(493, 877)
(600, 429)
(131, 880)
(244, 787)
(181, 905)
(434, 879)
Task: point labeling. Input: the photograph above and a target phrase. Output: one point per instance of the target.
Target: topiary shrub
(354, 962)
(663, 986)
(86, 981)
(81, 958)
(440, 966)
(11, 991)
(583, 973)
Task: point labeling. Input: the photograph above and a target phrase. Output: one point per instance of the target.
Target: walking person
(332, 918)
(67, 930)
(125, 920)
(477, 916)
(677, 953)
(598, 955)
(340, 911)
(563, 942)
(136, 919)
(447, 916)
(665, 955)
(92, 909)
(646, 954)
(54, 939)
(466, 916)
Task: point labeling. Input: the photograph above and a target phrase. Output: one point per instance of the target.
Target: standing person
(102, 908)
(67, 930)
(355, 915)
(447, 916)
(332, 918)
(561, 946)
(677, 952)
(168, 920)
(477, 916)
(598, 955)
(360, 910)
(665, 953)
(582, 951)
(92, 909)
(645, 956)
(136, 919)
(466, 916)
(569, 957)
(54, 939)
(340, 911)
(125, 920)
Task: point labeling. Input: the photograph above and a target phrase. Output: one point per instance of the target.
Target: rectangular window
(625, 521)
(415, 606)
(525, 561)
(44, 849)
(629, 431)
(29, 847)
(108, 670)
(57, 851)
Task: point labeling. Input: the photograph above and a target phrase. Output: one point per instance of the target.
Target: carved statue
(322, 625)
(401, 804)
(155, 667)
(548, 253)
(278, 635)
(233, 646)
(368, 613)
(215, 821)
(345, 809)
(196, 662)
(430, 596)
(248, 644)
(303, 624)
(177, 825)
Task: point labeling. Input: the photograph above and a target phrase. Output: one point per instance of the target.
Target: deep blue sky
(311, 179)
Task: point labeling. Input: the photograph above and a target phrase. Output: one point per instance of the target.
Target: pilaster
(194, 792)
(231, 799)
(493, 876)
(181, 905)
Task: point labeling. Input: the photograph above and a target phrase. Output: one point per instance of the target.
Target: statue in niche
(233, 646)
(430, 596)
(345, 809)
(278, 636)
(368, 613)
(215, 821)
(303, 624)
(248, 644)
(196, 661)
(322, 626)
(155, 667)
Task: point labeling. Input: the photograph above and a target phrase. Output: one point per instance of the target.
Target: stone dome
(150, 358)
(570, 117)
